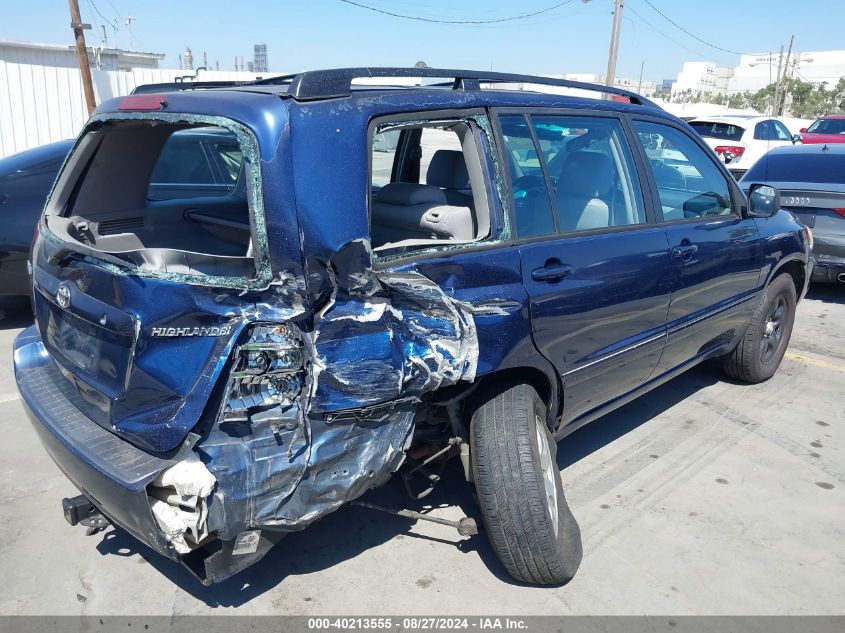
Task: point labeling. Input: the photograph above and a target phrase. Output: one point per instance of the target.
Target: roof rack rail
(326, 84)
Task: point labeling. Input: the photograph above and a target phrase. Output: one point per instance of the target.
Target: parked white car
(740, 140)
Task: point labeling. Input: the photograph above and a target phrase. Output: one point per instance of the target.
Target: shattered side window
(427, 185)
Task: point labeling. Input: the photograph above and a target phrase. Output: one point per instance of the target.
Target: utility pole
(82, 55)
(782, 92)
(777, 80)
(618, 5)
(640, 84)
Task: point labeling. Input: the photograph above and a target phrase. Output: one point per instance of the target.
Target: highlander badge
(191, 331)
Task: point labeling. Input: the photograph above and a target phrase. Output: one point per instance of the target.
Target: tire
(758, 354)
(530, 526)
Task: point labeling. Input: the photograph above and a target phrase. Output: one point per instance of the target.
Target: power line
(436, 21)
(671, 39)
(678, 26)
(94, 7)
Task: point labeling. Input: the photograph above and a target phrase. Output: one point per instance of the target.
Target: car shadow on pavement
(828, 293)
(351, 530)
(15, 312)
(340, 536)
(614, 425)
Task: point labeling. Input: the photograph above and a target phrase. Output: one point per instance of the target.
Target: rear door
(716, 253)
(595, 266)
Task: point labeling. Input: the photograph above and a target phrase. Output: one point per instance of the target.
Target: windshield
(827, 126)
(714, 129)
(821, 167)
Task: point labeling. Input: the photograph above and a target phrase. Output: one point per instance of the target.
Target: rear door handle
(684, 251)
(551, 271)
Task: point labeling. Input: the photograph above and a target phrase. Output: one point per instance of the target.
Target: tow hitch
(79, 510)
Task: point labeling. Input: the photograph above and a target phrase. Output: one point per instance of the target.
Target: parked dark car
(25, 181)
(811, 180)
(215, 370)
(826, 130)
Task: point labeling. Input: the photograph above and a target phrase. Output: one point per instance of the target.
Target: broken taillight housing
(268, 371)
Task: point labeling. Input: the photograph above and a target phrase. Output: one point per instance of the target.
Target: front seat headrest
(586, 174)
(448, 170)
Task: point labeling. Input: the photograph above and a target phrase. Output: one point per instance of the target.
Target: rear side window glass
(196, 163)
(591, 170)
(532, 208)
(688, 182)
(723, 131)
(771, 130)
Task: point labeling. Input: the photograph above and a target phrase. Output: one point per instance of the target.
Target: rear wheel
(519, 490)
(758, 355)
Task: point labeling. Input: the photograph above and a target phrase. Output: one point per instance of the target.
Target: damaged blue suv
(343, 278)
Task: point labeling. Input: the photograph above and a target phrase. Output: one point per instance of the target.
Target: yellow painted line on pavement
(816, 360)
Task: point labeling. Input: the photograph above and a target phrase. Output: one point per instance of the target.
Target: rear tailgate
(140, 293)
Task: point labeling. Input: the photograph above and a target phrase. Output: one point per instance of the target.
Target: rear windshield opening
(712, 129)
(162, 196)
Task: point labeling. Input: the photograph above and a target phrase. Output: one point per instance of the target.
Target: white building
(57, 55)
(756, 71)
(704, 77)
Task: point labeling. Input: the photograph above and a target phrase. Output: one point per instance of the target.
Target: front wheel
(519, 490)
(758, 355)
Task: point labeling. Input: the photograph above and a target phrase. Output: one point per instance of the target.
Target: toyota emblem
(63, 297)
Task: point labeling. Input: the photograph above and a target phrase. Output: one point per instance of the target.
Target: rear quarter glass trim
(252, 171)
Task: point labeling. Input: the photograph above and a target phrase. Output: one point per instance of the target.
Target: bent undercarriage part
(465, 526)
(421, 467)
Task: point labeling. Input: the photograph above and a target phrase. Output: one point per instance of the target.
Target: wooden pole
(82, 55)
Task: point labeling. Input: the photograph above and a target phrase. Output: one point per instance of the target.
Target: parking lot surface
(702, 497)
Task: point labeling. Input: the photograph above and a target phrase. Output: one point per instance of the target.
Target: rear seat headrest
(408, 194)
(448, 170)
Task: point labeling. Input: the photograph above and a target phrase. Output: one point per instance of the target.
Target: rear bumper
(828, 257)
(109, 471)
(829, 271)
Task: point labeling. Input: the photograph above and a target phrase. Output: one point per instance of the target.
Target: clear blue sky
(322, 33)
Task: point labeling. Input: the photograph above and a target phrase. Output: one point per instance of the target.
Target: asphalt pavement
(702, 497)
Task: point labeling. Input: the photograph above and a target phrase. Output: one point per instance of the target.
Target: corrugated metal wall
(43, 102)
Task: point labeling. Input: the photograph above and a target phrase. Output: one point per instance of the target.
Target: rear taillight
(839, 212)
(733, 150)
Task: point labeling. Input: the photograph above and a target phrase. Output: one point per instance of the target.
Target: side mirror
(796, 138)
(802, 130)
(763, 201)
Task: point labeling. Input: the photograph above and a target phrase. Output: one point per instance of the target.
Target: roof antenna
(825, 148)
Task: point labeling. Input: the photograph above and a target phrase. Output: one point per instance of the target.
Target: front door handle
(553, 270)
(685, 251)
